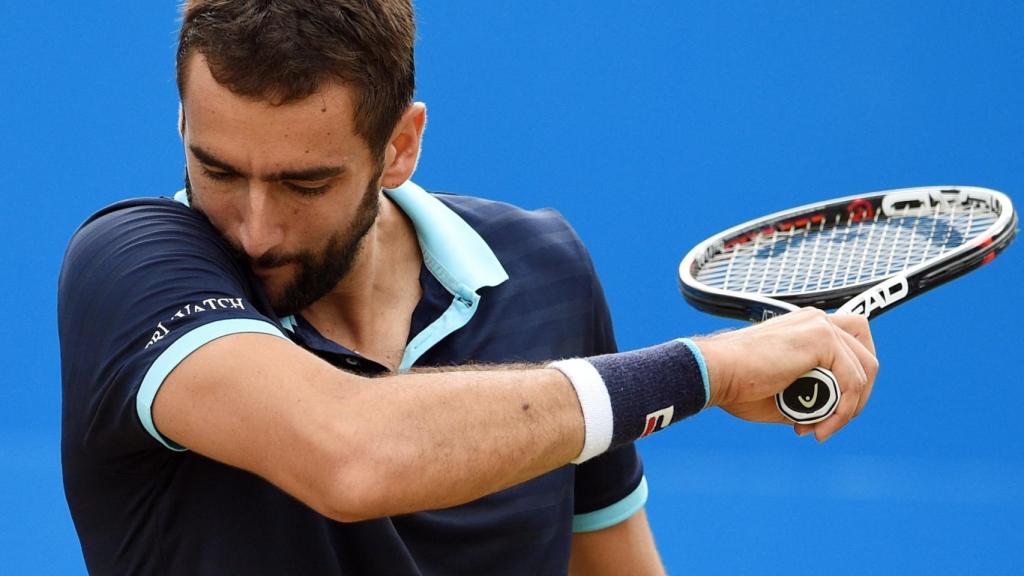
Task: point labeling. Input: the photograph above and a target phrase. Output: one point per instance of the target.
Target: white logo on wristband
(658, 419)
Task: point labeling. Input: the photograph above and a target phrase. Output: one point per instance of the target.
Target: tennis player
(258, 373)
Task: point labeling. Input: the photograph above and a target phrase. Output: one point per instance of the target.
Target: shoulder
(141, 257)
(138, 230)
(138, 218)
(140, 278)
(519, 237)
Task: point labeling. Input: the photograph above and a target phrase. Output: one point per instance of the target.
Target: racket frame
(919, 278)
(869, 298)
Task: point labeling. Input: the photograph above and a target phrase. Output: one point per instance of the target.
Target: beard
(320, 270)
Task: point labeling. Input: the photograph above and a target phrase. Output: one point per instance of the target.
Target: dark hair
(285, 50)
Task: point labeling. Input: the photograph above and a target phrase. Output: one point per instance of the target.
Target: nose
(260, 229)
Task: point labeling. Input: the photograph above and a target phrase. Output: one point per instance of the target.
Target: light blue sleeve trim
(169, 359)
(703, 368)
(614, 514)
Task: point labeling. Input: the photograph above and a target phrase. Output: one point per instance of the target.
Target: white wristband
(595, 402)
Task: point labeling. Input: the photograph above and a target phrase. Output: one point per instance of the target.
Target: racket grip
(811, 398)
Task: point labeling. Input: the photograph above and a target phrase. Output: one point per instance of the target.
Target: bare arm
(355, 448)
(625, 549)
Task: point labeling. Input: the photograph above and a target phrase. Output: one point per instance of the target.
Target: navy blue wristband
(630, 395)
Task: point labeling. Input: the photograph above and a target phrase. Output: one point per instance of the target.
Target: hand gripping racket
(857, 255)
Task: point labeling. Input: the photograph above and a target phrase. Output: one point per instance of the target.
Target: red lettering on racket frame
(784, 226)
(860, 209)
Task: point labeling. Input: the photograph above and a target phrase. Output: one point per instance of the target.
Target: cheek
(309, 228)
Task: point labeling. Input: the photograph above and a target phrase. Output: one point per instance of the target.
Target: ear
(181, 121)
(403, 150)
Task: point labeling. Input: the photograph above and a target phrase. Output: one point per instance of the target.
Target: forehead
(322, 123)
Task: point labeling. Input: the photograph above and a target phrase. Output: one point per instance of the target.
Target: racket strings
(847, 252)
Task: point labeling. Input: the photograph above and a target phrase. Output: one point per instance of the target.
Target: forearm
(437, 440)
(469, 434)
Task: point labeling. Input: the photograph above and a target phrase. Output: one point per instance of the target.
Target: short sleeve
(144, 284)
(611, 487)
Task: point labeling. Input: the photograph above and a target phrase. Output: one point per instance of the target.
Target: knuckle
(873, 366)
(821, 328)
(815, 313)
(806, 314)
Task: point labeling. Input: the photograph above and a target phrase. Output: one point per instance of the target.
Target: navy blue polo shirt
(146, 282)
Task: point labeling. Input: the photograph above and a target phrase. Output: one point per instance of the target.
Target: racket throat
(878, 298)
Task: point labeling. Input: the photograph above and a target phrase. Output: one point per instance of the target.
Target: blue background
(650, 125)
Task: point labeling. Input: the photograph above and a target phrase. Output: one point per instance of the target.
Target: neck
(370, 309)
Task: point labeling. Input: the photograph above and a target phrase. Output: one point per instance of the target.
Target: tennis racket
(855, 255)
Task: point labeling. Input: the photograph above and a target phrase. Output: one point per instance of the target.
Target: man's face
(292, 187)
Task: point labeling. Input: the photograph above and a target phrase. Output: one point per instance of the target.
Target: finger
(852, 380)
(856, 326)
(840, 418)
(868, 362)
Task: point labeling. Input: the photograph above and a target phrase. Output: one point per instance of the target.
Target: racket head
(859, 254)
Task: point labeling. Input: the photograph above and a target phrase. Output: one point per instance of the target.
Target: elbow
(350, 497)
(354, 470)
(353, 486)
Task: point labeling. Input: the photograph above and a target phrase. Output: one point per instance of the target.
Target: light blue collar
(457, 256)
(453, 252)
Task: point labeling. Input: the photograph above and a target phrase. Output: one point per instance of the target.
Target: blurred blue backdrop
(650, 125)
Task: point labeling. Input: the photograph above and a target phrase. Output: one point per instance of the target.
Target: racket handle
(812, 398)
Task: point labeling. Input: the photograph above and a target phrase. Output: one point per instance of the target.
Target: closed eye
(217, 175)
(309, 189)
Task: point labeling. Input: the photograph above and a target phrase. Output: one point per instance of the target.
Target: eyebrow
(310, 174)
